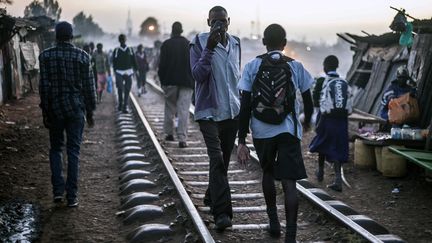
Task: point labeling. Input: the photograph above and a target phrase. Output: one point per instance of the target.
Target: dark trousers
(142, 79)
(219, 138)
(74, 129)
(124, 84)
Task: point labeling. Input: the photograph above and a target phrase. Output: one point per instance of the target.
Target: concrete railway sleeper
(188, 171)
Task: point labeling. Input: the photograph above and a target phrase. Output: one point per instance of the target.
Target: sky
(304, 20)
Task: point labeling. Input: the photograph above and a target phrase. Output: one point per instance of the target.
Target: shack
(375, 63)
(376, 59)
(21, 40)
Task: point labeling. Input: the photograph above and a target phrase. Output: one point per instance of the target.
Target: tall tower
(129, 24)
(258, 23)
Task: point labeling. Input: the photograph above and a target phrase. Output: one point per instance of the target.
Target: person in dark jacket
(124, 66)
(177, 82)
(143, 67)
(401, 85)
(67, 93)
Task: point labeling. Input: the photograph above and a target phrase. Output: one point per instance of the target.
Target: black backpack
(273, 92)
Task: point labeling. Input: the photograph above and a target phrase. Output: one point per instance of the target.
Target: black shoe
(222, 222)
(290, 239)
(336, 187)
(274, 228)
(125, 111)
(58, 199)
(182, 144)
(290, 234)
(72, 203)
(169, 138)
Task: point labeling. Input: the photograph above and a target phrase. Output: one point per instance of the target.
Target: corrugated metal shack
(376, 60)
(21, 40)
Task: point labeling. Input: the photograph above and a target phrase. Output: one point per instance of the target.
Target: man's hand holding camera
(215, 35)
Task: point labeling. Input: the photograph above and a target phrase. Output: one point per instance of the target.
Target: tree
(50, 8)
(53, 9)
(149, 27)
(86, 26)
(6, 1)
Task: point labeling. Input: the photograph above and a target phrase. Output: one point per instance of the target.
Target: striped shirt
(66, 86)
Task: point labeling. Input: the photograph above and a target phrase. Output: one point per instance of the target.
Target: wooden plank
(420, 64)
(373, 87)
(361, 48)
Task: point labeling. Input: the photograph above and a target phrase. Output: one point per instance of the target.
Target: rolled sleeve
(246, 79)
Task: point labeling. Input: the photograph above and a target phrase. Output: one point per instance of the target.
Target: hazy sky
(313, 20)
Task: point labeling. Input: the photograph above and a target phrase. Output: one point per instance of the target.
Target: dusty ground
(25, 180)
(407, 214)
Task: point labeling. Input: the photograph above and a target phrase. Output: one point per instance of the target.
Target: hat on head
(63, 31)
(177, 28)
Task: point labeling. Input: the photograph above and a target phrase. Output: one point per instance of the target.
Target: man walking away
(143, 67)
(100, 60)
(177, 83)
(67, 94)
(215, 63)
(124, 66)
(268, 85)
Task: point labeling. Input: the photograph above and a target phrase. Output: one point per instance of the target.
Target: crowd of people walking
(228, 105)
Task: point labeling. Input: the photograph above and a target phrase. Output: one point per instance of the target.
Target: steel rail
(187, 202)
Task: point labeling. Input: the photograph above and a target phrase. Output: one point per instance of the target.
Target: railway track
(188, 172)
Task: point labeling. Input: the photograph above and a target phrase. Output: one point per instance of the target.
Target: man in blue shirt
(277, 145)
(215, 65)
(67, 93)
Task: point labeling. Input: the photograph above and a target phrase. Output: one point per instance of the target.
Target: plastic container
(406, 132)
(378, 158)
(416, 134)
(364, 155)
(392, 165)
(396, 133)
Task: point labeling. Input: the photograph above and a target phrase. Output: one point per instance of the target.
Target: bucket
(378, 158)
(392, 165)
(364, 155)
